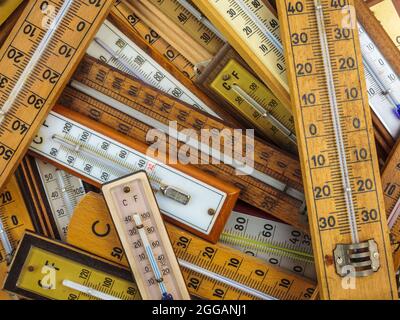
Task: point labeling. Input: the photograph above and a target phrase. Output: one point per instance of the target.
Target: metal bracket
(360, 259)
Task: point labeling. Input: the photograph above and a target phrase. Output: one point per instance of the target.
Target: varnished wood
(391, 188)
(332, 206)
(122, 13)
(388, 14)
(250, 57)
(7, 7)
(191, 25)
(180, 291)
(378, 35)
(9, 24)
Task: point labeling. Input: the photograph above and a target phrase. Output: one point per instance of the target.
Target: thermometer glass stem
(122, 61)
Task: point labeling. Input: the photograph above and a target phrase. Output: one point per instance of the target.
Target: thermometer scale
(140, 227)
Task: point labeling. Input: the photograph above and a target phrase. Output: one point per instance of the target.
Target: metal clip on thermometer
(138, 221)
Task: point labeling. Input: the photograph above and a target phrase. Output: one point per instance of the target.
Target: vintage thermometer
(251, 191)
(274, 184)
(275, 242)
(381, 63)
(183, 14)
(389, 16)
(7, 7)
(8, 25)
(36, 62)
(98, 155)
(62, 191)
(45, 269)
(113, 47)
(213, 272)
(137, 219)
(123, 12)
(130, 54)
(15, 217)
(37, 199)
(178, 85)
(339, 163)
(257, 41)
(227, 77)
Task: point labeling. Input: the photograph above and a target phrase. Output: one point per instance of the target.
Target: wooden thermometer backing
(92, 229)
(45, 269)
(377, 33)
(173, 33)
(137, 218)
(54, 194)
(36, 62)
(337, 218)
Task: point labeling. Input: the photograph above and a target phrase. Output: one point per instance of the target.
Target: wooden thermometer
(44, 269)
(391, 189)
(145, 240)
(99, 154)
(36, 62)
(212, 272)
(15, 217)
(119, 101)
(337, 151)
